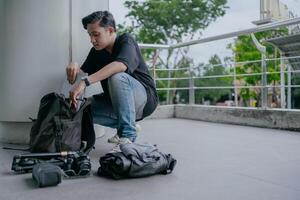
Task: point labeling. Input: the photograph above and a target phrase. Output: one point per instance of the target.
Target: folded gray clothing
(136, 160)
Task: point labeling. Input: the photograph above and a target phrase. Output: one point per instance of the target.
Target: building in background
(272, 10)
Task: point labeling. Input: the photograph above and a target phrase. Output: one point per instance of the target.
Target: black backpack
(59, 127)
(135, 160)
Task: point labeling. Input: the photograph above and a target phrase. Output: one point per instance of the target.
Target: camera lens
(82, 165)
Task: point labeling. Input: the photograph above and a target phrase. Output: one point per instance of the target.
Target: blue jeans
(125, 103)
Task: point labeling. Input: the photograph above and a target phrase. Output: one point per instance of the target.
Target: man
(115, 60)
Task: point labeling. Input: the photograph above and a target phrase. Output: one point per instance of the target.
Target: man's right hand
(72, 71)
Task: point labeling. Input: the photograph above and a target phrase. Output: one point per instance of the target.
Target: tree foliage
(170, 22)
(245, 50)
(166, 21)
(214, 67)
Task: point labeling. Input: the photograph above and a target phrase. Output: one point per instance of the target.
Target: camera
(78, 165)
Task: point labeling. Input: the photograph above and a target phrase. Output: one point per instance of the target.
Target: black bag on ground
(59, 127)
(135, 160)
(46, 174)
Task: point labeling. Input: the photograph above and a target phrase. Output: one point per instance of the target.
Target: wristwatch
(86, 81)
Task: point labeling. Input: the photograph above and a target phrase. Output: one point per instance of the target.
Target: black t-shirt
(125, 50)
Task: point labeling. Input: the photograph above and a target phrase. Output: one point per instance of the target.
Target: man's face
(100, 37)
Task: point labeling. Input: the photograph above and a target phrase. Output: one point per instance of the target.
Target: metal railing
(263, 87)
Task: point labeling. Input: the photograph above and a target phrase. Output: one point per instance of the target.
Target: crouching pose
(115, 60)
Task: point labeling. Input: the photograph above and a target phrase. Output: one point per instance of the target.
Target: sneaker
(115, 139)
(116, 148)
(138, 128)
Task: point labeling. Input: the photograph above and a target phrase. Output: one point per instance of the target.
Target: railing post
(289, 96)
(191, 87)
(282, 83)
(169, 86)
(264, 94)
(155, 57)
(234, 84)
(154, 75)
(264, 89)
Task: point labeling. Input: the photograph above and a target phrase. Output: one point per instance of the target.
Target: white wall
(35, 47)
(35, 50)
(80, 39)
(1, 45)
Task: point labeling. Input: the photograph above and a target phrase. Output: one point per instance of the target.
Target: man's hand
(72, 71)
(76, 92)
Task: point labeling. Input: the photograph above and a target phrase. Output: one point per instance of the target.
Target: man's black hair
(105, 19)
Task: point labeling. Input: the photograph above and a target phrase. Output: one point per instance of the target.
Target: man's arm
(107, 71)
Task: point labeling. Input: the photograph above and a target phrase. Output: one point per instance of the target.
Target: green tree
(245, 50)
(214, 67)
(182, 65)
(170, 22)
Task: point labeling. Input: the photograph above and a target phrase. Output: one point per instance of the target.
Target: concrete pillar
(37, 39)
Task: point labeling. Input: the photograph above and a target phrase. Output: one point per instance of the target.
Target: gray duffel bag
(136, 160)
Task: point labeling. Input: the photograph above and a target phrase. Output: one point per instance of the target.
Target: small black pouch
(46, 174)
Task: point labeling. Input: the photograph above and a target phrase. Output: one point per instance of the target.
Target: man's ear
(110, 29)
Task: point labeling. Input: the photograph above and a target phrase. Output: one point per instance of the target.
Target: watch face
(86, 81)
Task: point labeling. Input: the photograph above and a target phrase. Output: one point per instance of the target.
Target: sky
(239, 16)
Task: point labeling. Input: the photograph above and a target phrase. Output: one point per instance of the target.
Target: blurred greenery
(176, 21)
(214, 67)
(170, 22)
(245, 50)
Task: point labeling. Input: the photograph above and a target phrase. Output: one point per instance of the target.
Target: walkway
(215, 161)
